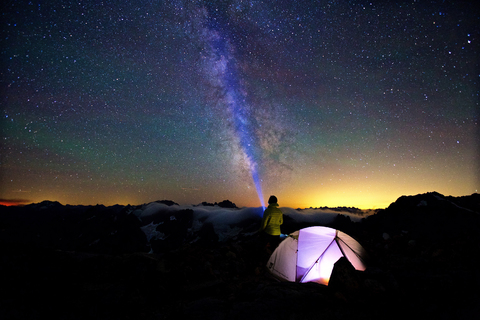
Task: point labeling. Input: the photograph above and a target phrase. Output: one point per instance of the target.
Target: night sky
(322, 103)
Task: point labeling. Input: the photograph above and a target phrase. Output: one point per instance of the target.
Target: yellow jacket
(272, 220)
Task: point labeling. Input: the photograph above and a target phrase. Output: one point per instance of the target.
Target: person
(271, 222)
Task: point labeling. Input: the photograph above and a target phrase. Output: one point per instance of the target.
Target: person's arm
(265, 219)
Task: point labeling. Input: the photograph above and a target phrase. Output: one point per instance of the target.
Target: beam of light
(235, 100)
(243, 125)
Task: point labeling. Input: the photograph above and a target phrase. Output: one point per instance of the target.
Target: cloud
(320, 216)
(228, 223)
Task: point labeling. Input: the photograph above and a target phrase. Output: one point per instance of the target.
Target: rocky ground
(62, 262)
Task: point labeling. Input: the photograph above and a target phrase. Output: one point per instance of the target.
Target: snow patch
(151, 233)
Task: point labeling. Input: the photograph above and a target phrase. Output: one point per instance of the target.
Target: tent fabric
(308, 255)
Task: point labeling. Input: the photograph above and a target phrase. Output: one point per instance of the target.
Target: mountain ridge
(157, 261)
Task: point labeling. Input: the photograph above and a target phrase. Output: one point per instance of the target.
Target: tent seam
(354, 252)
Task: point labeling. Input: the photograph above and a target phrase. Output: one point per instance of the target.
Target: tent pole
(316, 261)
(339, 246)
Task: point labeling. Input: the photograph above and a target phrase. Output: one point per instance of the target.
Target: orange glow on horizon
(302, 193)
(11, 203)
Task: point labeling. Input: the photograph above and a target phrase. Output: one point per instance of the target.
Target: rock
(344, 279)
(206, 308)
(167, 202)
(374, 287)
(175, 229)
(227, 204)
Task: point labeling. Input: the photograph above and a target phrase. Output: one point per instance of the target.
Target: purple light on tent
(309, 255)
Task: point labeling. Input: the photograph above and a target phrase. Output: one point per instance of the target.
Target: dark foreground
(94, 263)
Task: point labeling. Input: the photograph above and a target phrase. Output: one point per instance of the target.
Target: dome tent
(308, 255)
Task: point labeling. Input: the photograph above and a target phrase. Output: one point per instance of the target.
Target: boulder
(345, 279)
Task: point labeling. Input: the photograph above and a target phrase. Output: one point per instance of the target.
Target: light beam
(235, 100)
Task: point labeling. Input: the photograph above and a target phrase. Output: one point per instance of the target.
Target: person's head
(272, 199)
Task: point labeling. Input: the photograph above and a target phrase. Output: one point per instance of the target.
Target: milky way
(222, 70)
(324, 103)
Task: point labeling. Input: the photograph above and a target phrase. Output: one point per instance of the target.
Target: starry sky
(322, 103)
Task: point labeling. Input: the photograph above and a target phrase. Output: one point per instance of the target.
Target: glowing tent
(308, 255)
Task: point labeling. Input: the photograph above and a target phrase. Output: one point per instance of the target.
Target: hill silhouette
(165, 261)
